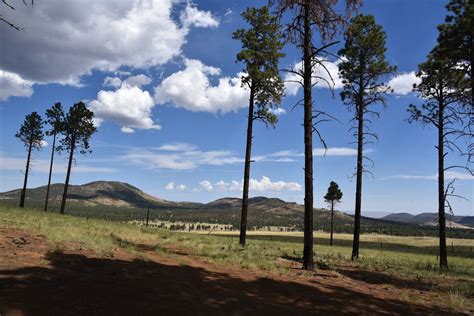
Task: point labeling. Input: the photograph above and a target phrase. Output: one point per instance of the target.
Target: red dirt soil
(37, 281)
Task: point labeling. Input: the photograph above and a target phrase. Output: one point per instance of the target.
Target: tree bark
(443, 253)
(23, 191)
(50, 173)
(248, 154)
(68, 174)
(308, 143)
(332, 222)
(358, 197)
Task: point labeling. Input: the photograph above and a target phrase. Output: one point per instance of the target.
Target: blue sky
(162, 79)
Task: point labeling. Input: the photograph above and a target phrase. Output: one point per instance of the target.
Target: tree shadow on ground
(78, 285)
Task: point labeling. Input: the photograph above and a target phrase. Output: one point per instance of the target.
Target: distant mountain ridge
(431, 219)
(113, 200)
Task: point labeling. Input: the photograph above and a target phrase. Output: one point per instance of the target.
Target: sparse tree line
(72, 130)
(446, 91)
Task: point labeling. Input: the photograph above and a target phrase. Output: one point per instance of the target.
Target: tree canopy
(261, 52)
(30, 132)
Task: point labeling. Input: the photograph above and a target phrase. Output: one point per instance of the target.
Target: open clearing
(52, 264)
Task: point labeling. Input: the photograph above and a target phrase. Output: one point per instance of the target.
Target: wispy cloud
(448, 175)
(16, 164)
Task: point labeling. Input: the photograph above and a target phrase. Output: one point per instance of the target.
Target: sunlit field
(411, 258)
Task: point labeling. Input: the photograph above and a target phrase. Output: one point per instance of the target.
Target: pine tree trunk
(443, 253)
(68, 174)
(358, 197)
(308, 144)
(50, 173)
(23, 191)
(332, 222)
(248, 154)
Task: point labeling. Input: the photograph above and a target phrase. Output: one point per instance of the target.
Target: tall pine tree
(306, 18)
(363, 70)
(261, 52)
(77, 130)
(55, 118)
(441, 108)
(31, 135)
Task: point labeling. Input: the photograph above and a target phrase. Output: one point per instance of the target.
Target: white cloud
(137, 81)
(174, 158)
(321, 152)
(327, 73)
(112, 82)
(44, 144)
(191, 16)
(235, 186)
(206, 185)
(192, 90)
(177, 147)
(64, 40)
(262, 185)
(277, 111)
(447, 175)
(41, 165)
(129, 106)
(172, 187)
(127, 130)
(222, 185)
(12, 85)
(403, 83)
(265, 185)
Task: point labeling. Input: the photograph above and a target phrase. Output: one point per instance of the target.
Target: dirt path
(36, 281)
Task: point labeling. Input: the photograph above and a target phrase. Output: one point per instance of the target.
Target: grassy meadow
(411, 258)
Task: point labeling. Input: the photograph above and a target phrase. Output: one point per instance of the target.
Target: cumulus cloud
(222, 185)
(172, 187)
(137, 81)
(12, 85)
(191, 16)
(262, 185)
(403, 83)
(328, 73)
(129, 106)
(192, 90)
(265, 185)
(206, 186)
(67, 39)
(112, 82)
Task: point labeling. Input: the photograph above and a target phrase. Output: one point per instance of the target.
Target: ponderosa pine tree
(261, 52)
(31, 135)
(363, 70)
(456, 44)
(332, 197)
(55, 118)
(306, 18)
(443, 109)
(77, 129)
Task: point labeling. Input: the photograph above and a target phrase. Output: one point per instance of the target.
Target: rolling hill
(123, 202)
(430, 219)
